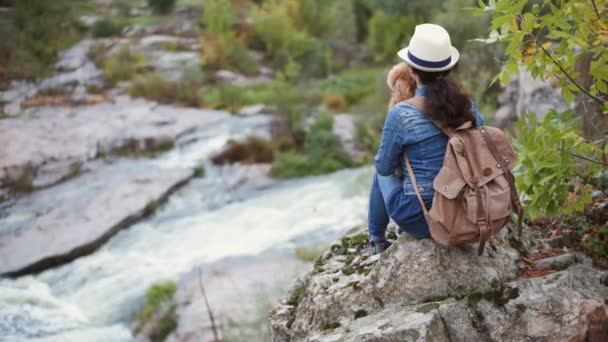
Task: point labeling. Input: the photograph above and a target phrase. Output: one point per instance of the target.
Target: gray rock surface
(260, 279)
(558, 262)
(344, 128)
(58, 224)
(414, 324)
(525, 94)
(440, 294)
(47, 144)
(565, 306)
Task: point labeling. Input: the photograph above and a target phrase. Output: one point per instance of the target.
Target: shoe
(377, 247)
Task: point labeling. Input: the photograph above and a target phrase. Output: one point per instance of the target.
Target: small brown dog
(401, 83)
(403, 87)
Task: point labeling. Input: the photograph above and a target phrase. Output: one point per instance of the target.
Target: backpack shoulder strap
(503, 164)
(410, 172)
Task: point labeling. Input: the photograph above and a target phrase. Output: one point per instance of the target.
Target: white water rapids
(94, 297)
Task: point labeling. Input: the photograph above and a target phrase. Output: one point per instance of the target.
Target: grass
(147, 20)
(123, 65)
(157, 295)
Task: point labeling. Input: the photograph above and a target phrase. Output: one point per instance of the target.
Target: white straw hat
(430, 49)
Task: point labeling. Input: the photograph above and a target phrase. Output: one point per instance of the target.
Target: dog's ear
(398, 72)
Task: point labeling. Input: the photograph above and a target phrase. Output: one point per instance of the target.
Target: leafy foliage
(105, 28)
(388, 34)
(224, 48)
(161, 6)
(38, 30)
(548, 172)
(550, 37)
(322, 153)
(557, 41)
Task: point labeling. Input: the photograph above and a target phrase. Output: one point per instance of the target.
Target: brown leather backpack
(474, 190)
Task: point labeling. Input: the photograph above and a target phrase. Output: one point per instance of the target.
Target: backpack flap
(448, 183)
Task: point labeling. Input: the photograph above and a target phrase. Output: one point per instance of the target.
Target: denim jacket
(408, 130)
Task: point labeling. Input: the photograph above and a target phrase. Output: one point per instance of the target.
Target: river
(94, 297)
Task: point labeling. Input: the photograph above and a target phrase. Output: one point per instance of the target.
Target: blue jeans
(387, 200)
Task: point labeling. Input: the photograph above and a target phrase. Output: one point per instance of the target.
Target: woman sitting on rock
(411, 127)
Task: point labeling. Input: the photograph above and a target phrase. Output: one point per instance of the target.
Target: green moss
(298, 294)
(360, 313)
(167, 324)
(329, 326)
(433, 299)
(355, 241)
(150, 207)
(156, 296)
(498, 297)
(349, 270)
(72, 173)
(349, 259)
(24, 183)
(426, 308)
(354, 285)
(199, 171)
(150, 150)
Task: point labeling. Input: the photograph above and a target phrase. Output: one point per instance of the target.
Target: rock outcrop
(72, 219)
(420, 291)
(49, 144)
(525, 94)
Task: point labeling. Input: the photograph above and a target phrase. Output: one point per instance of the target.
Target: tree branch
(213, 326)
(585, 91)
(595, 8)
(588, 159)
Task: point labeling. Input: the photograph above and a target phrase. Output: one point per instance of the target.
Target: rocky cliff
(419, 291)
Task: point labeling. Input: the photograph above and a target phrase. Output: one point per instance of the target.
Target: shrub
(161, 6)
(547, 171)
(343, 23)
(225, 96)
(39, 29)
(251, 151)
(322, 153)
(153, 86)
(105, 28)
(353, 85)
(388, 34)
(222, 47)
(228, 52)
(123, 65)
(186, 92)
(218, 16)
(335, 102)
(309, 52)
(271, 26)
(188, 88)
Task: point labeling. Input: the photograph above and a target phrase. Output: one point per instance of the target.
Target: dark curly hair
(445, 100)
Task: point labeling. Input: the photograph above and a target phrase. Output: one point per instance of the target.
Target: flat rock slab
(259, 279)
(558, 262)
(47, 144)
(58, 224)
